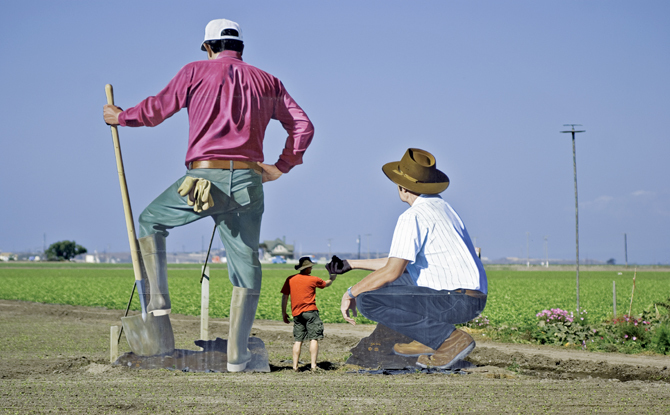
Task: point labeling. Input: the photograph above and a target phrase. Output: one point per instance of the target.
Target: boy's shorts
(307, 326)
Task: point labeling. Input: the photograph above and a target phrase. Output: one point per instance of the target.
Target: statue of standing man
(230, 104)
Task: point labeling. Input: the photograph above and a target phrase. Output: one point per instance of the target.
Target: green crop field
(514, 296)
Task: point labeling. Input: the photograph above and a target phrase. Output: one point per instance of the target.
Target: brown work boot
(455, 348)
(412, 349)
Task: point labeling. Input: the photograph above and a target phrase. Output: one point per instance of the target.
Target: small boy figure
(306, 322)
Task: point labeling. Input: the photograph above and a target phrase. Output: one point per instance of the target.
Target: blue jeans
(423, 314)
(237, 212)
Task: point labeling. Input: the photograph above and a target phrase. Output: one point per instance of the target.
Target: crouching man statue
(230, 104)
(432, 279)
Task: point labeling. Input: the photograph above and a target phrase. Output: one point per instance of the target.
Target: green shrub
(661, 338)
(631, 329)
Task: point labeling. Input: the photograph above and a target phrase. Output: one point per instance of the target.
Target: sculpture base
(376, 352)
(212, 358)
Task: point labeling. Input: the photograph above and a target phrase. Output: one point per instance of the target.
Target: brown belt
(225, 164)
(473, 293)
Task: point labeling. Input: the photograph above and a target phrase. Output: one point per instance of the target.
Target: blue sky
(486, 86)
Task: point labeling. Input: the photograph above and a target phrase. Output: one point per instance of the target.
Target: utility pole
(527, 252)
(574, 168)
(625, 248)
(546, 251)
(358, 241)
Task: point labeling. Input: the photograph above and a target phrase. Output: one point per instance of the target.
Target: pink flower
(625, 336)
(634, 338)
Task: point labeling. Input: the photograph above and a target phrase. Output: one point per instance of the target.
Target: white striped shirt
(431, 235)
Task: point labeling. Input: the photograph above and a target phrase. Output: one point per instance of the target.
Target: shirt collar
(229, 54)
(425, 198)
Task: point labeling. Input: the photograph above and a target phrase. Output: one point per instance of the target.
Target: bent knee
(150, 225)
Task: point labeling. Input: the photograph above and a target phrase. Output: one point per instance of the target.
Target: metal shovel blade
(151, 337)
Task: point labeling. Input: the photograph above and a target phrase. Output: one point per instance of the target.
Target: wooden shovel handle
(127, 210)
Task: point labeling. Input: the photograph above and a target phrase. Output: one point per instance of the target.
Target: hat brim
(202, 45)
(311, 265)
(438, 186)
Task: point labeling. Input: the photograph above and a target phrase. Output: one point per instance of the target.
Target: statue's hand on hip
(270, 172)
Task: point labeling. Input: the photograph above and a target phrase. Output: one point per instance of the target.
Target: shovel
(145, 333)
(149, 337)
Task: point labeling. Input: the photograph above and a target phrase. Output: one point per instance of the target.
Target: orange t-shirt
(302, 289)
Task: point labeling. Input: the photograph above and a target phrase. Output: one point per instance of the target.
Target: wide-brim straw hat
(305, 262)
(417, 172)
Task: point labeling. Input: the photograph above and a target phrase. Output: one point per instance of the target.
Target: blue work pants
(423, 314)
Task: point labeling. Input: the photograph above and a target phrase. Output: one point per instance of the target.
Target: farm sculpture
(230, 104)
(432, 278)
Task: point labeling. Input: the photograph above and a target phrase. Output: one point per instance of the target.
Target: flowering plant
(555, 315)
(629, 330)
(556, 326)
(480, 322)
(650, 331)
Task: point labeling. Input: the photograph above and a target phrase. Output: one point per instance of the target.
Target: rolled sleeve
(299, 128)
(406, 241)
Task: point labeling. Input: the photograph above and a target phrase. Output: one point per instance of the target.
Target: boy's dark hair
(305, 271)
(220, 45)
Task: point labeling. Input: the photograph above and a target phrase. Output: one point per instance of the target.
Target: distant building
(7, 256)
(278, 247)
(92, 259)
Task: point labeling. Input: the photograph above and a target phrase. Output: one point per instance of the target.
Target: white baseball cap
(222, 29)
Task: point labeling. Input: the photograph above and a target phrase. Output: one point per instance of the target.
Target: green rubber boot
(243, 306)
(155, 265)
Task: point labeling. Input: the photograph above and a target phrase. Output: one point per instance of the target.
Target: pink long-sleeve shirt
(230, 104)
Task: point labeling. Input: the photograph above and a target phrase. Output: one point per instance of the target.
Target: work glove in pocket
(198, 192)
(202, 197)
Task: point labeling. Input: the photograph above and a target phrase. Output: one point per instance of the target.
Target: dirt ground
(55, 358)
